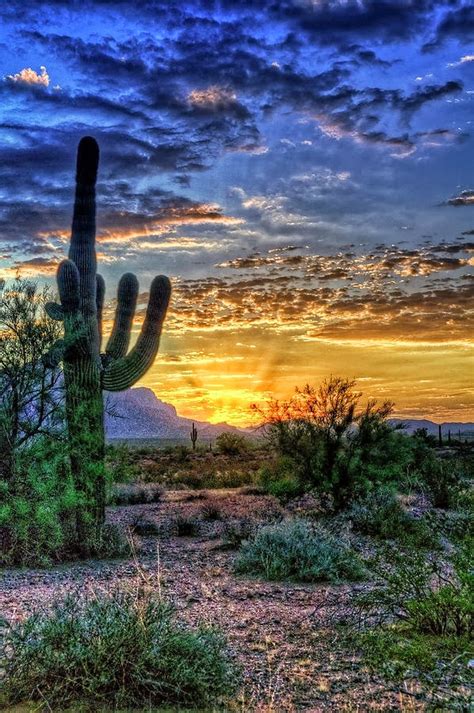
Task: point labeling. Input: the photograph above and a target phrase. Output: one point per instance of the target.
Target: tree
(30, 402)
(330, 441)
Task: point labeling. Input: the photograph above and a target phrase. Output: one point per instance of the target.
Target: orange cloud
(35, 267)
(213, 97)
(29, 76)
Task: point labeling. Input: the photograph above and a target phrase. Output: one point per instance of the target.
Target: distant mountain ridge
(412, 424)
(139, 413)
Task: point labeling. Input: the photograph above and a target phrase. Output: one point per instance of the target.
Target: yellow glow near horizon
(229, 372)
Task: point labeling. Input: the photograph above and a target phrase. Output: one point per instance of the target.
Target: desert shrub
(135, 494)
(120, 649)
(185, 479)
(464, 501)
(182, 525)
(37, 507)
(443, 481)
(234, 532)
(228, 478)
(193, 497)
(210, 511)
(456, 525)
(300, 551)
(120, 465)
(381, 514)
(182, 454)
(232, 444)
(420, 618)
(145, 527)
(438, 667)
(280, 478)
(252, 490)
(334, 448)
(110, 542)
(210, 478)
(423, 593)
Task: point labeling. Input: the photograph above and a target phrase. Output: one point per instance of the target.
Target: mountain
(410, 425)
(138, 413)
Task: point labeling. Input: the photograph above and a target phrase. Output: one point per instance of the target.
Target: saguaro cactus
(194, 436)
(87, 371)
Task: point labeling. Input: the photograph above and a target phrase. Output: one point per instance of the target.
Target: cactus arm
(54, 311)
(55, 355)
(124, 372)
(100, 294)
(127, 294)
(82, 250)
(69, 287)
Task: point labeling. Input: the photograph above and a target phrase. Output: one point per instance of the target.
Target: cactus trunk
(86, 371)
(194, 436)
(85, 421)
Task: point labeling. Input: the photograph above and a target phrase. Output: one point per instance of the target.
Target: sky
(302, 170)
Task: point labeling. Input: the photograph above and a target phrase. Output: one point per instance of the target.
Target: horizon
(301, 171)
(392, 417)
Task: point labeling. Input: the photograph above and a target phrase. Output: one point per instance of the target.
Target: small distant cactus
(194, 435)
(87, 371)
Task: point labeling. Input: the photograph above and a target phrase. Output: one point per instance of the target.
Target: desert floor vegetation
(285, 603)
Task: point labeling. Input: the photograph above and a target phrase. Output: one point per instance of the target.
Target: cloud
(189, 97)
(332, 21)
(128, 226)
(462, 199)
(30, 77)
(290, 293)
(216, 100)
(464, 60)
(34, 267)
(456, 24)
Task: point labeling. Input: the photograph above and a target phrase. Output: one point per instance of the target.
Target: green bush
(437, 666)
(454, 524)
(121, 649)
(336, 449)
(232, 444)
(135, 493)
(300, 551)
(421, 621)
(381, 514)
(119, 464)
(37, 513)
(111, 542)
(234, 532)
(226, 478)
(443, 480)
(280, 478)
(37, 507)
(429, 597)
(182, 525)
